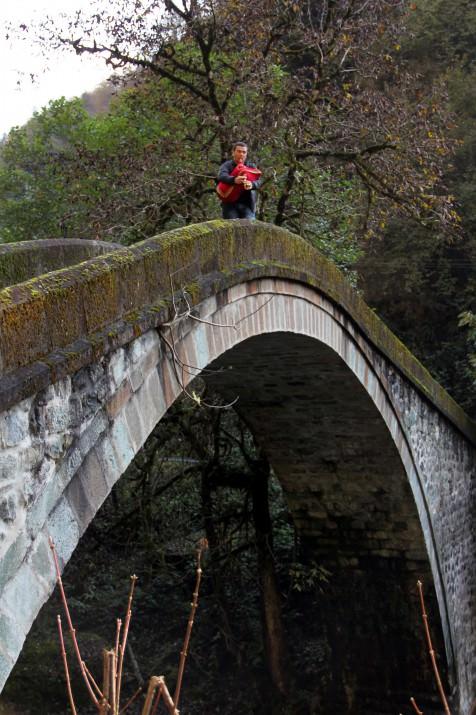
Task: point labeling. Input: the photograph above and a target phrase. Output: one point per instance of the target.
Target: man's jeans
(237, 211)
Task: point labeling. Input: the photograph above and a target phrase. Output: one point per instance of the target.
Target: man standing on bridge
(237, 184)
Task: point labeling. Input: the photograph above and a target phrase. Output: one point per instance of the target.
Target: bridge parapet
(22, 261)
(52, 325)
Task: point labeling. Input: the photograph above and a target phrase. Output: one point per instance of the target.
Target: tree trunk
(273, 631)
(214, 567)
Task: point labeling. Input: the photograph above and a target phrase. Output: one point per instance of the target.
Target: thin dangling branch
(202, 546)
(431, 650)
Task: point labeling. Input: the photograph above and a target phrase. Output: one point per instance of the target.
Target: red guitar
(230, 193)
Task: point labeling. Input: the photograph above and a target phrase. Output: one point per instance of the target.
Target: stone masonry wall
(65, 446)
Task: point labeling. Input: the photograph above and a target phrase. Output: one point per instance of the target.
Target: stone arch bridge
(376, 461)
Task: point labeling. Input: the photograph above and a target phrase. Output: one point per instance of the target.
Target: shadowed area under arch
(352, 505)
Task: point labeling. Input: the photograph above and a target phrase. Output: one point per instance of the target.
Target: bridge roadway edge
(53, 325)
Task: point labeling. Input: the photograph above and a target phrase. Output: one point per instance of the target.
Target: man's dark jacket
(247, 198)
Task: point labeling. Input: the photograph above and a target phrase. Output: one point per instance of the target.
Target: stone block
(151, 401)
(134, 423)
(43, 505)
(119, 399)
(78, 500)
(23, 340)
(8, 507)
(15, 424)
(94, 481)
(40, 558)
(142, 346)
(107, 457)
(23, 596)
(64, 529)
(136, 378)
(6, 665)
(8, 466)
(121, 443)
(60, 390)
(12, 558)
(57, 444)
(56, 416)
(12, 637)
(117, 368)
(92, 433)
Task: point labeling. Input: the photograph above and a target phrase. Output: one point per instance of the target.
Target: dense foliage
(421, 281)
(345, 132)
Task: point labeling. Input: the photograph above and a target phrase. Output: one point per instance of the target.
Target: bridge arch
(279, 329)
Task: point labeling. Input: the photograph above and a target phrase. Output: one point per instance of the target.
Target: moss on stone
(21, 261)
(50, 312)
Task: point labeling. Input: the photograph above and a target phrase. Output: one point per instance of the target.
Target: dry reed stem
(157, 700)
(70, 624)
(92, 681)
(109, 679)
(171, 706)
(122, 647)
(109, 696)
(65, 663)
(113, 671)
(118, 635)
(415, 707)
(202, 546)
(158, 689)
(149, 698)
(431, 650)
(106, 676)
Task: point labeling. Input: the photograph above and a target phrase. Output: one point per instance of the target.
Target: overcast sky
(69, 76)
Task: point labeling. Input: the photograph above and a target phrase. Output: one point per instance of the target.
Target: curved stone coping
(52, 325)
(24, 260)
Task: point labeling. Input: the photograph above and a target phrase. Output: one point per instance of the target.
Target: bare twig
(415, 707)
(158, 698)
(108, 699)
(70, 624)
(194, 370)
(431, 650)
(171, 706)
(158, 689)
(193, 396)
(118, 635)
(93, 682)
(66, 669)
(202, 546)
(109, 681)
(149, 698)
(122, 647)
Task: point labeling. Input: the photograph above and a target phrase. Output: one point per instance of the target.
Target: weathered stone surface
(24, 260)
(377, 464)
